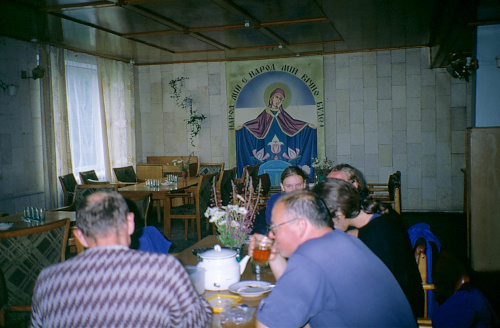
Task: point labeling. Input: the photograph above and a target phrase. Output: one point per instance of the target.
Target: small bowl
(219, 301)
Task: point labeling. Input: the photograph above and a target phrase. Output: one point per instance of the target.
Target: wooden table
(161, 193)
(186, 257)
(50, 216)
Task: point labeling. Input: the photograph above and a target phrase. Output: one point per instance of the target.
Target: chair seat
(186, 209)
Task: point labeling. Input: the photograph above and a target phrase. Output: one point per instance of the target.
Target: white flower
(235, 224)
(240, 197)
(231, 208)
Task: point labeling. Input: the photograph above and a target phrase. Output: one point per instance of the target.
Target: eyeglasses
(272, 227)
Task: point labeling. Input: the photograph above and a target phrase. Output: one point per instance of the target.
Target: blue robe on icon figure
(275, 135)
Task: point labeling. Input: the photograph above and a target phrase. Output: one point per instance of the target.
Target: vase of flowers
(234, 222)
(184, 167)
(322, 167)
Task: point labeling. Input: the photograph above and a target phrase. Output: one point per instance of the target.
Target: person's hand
(251, 246)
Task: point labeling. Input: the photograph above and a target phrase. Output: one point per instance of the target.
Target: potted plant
(194, 120)
(184, 167)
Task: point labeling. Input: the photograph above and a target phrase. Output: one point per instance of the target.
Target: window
(84, 114)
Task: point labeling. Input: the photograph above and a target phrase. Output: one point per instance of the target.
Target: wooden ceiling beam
(94, 4)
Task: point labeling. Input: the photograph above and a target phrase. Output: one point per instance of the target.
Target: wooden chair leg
(158, 209)
(198, 227)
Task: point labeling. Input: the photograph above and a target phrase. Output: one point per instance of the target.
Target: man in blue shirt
(326, 278)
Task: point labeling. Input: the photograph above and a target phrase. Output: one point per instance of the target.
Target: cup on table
(261, 253)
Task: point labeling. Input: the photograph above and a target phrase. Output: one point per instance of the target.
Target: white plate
(6, 225)
(251, 288)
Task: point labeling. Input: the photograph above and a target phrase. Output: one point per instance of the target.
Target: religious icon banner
(276, 112)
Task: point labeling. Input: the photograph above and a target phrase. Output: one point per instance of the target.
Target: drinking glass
(261, 252)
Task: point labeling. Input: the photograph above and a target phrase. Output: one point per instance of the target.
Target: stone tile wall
(385, 111)
(21, 162)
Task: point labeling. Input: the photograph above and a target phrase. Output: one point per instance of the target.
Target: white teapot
(221, 267)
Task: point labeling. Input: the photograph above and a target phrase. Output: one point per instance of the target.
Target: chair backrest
(25, 252)
(85, 176)
(139, 204)
(224, 186)
(394, 185)
(82, 191)
(125, 174)
(68, 184)
(209, 168)
(252, 170)
(265, 183)
(204, 192)
(274, 168)
(426, 246)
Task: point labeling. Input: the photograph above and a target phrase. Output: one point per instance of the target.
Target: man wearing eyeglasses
(324, 277)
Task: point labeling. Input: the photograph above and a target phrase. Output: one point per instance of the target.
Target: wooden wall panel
(484, 195)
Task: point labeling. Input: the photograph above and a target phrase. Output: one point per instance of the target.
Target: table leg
(167, 230)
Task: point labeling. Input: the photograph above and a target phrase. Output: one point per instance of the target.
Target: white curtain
(117, 90)
(85, 114)
(112, 128)
(55, 115)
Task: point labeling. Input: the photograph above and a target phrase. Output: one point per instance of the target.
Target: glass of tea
(261, 252)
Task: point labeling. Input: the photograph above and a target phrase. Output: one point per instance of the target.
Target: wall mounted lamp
(11, 87)
(498, 61)
(37, 73)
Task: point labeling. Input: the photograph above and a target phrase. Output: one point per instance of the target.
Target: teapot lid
(218, 253)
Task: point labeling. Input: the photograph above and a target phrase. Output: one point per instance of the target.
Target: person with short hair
(352, 175)
(380, 229)
(292, 178)
(325, 277)
(110, 285)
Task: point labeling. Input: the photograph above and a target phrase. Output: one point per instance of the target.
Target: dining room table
(188, 257)
(18, 221)
(163, 191)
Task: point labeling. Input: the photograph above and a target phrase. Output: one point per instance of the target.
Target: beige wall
(385, 111)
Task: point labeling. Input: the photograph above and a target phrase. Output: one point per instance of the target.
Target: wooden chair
(139, 203)
(125, 175)
(201, 198)
(85, 176)
(224, 189)
(265, 181)
(82, 191)
(421, 258)
(68, 184)
(224, 186)
(252, 170)
(209, 168)
(388, 193)
(23, 255)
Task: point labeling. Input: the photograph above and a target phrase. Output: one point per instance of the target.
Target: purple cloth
(261, 125)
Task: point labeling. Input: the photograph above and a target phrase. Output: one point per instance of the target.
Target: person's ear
(81, 238)
(301, 225)
(355, 184)
(282, 187)
(130, 223)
